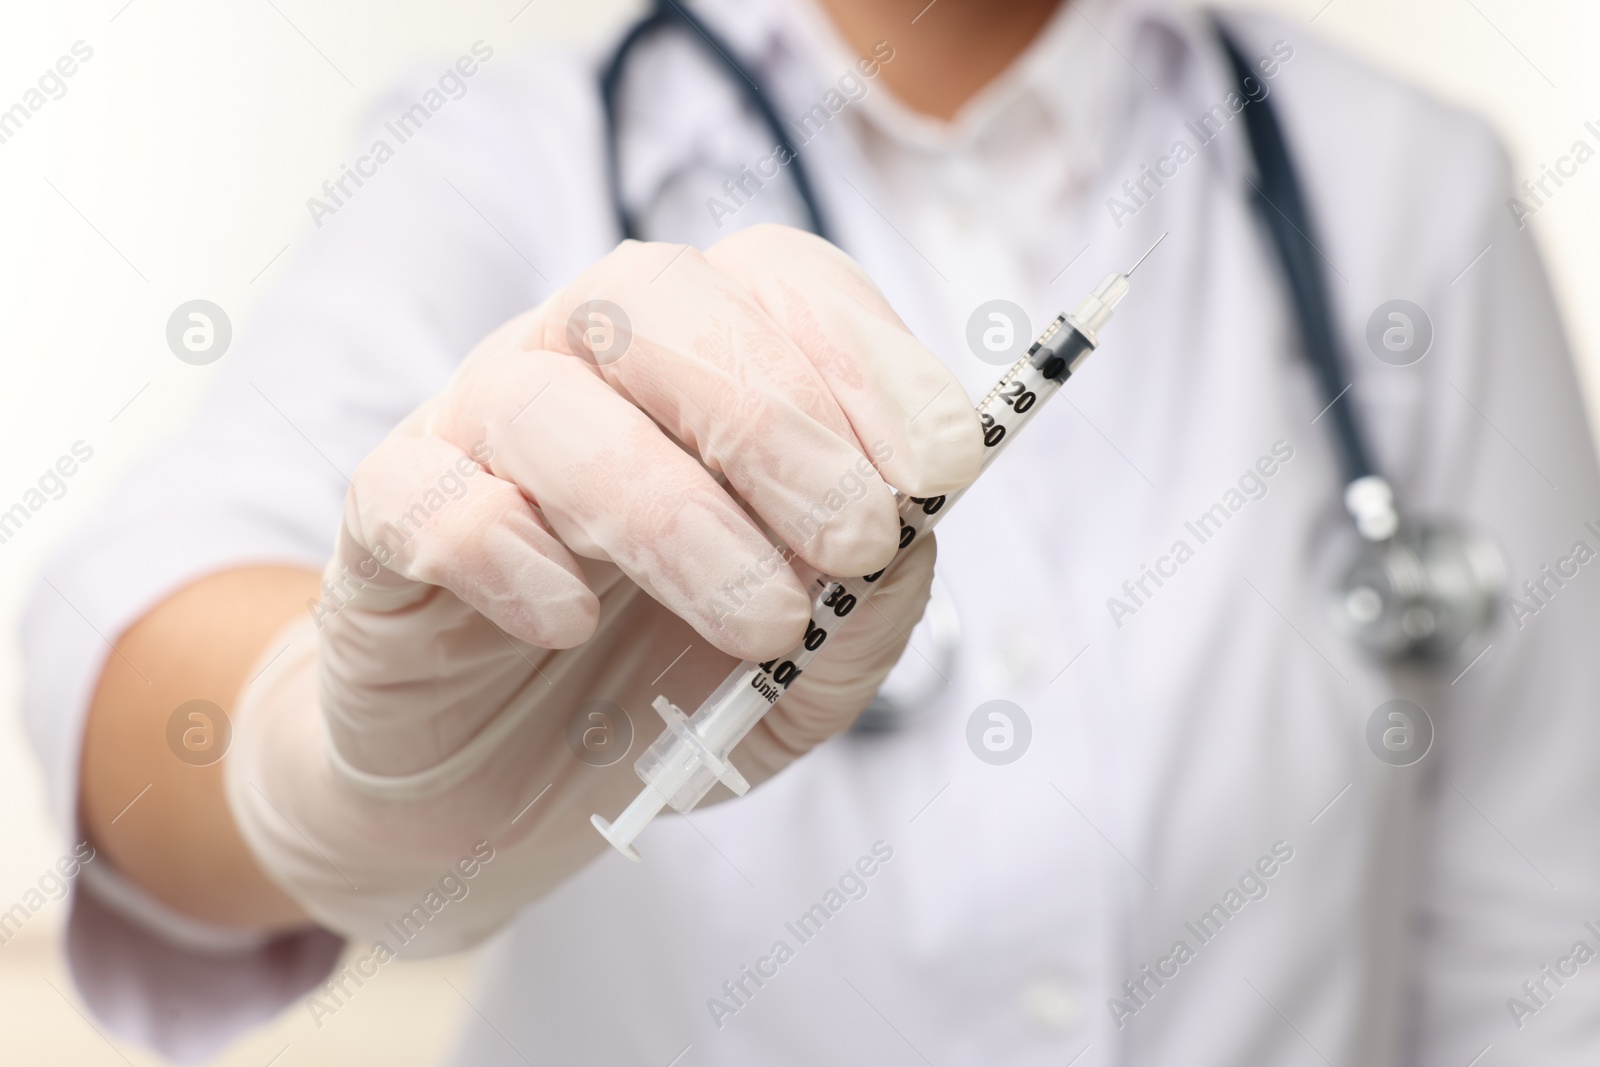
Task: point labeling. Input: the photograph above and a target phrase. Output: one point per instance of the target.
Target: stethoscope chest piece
(1422, 592)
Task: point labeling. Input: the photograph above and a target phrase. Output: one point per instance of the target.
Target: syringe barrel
(672, 767)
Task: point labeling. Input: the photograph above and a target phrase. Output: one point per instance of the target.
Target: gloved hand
(411, 756)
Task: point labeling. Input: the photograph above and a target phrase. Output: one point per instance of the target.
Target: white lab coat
(1216, 731)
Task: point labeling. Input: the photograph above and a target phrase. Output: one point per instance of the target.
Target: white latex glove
(409, 755)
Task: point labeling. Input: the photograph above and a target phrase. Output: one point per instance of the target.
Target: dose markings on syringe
(1010, 404)
(691, 755)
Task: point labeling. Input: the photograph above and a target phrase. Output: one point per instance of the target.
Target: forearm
(162, 821)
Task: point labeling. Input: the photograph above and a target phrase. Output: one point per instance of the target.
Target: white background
(177, 166)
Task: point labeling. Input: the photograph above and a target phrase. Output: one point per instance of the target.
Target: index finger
(895, 392)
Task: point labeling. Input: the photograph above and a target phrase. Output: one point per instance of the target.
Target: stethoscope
(1413, 589)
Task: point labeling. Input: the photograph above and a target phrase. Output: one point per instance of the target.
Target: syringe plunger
(692, 754)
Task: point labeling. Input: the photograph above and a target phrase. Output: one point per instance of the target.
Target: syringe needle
(1146, 255)
(692, 753)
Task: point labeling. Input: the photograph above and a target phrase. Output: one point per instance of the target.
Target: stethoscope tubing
(1277, 196)
(663, 16)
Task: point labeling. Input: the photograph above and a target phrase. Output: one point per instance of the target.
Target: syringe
(691, 755)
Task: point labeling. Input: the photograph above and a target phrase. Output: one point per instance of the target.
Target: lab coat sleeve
(460, 225)
(1510, 863)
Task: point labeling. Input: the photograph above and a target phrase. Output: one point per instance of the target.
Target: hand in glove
(584, 518)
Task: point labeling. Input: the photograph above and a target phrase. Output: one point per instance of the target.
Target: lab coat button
(1017, 655)
(1053, 1003)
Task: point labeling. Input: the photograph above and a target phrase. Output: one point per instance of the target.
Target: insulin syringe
(691, 755)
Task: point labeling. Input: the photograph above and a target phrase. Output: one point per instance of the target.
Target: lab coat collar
(1089, 68)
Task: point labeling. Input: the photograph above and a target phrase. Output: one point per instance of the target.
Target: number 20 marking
(1019, 398)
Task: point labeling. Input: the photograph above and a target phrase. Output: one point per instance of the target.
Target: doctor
(421, 535)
